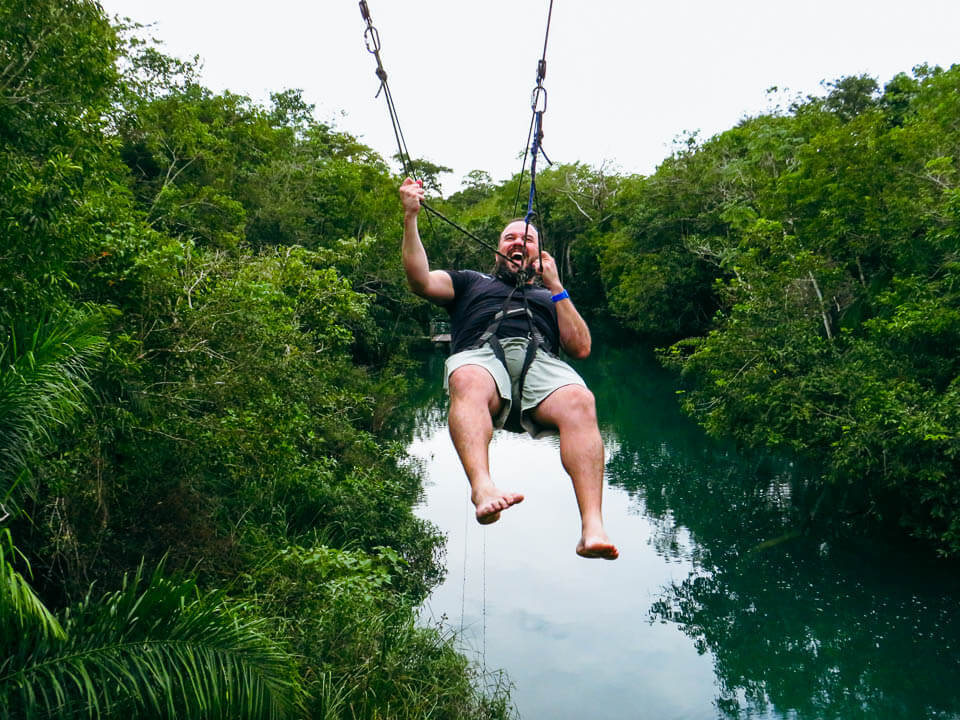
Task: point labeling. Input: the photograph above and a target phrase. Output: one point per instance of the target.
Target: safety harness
(534, 342)
(538, 106)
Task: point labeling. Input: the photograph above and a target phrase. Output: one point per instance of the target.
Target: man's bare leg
(473, 402)
(572, 411)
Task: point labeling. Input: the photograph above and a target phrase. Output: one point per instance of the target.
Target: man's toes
(603, 550)
(489, 512)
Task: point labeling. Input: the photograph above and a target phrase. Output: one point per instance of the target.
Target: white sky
(623, 78)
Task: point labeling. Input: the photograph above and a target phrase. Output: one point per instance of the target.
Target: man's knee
(580, 403)
(474, 384)
(568, 406)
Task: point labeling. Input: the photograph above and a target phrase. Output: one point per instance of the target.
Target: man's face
(521, 250)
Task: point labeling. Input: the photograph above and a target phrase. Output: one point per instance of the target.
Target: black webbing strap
(534, 342)
(494, 325)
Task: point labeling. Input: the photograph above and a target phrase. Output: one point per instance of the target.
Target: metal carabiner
(371, 35)
(539, 92)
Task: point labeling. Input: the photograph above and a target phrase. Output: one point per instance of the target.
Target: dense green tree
(838, 303)
(56, 181)
(203, 282)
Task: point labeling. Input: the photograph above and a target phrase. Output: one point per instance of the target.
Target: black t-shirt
(478, 297)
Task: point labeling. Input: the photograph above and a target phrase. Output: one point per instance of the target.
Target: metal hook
(371, 35)
(538, 92)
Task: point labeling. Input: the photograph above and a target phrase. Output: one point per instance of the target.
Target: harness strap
(494, 325)
(513, 422)
(535, 341)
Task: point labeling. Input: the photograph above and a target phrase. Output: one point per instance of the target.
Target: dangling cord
(483, 653)
(463, 587)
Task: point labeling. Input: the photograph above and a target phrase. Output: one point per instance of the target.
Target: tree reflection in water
(798, 625)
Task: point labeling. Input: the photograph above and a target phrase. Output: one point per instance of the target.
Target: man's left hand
(548, 272)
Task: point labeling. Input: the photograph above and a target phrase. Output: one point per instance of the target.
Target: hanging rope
(483, 610)
(538, 105)
(463, 586)
(371, 38)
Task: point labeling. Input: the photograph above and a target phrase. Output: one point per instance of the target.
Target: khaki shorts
(546, 374)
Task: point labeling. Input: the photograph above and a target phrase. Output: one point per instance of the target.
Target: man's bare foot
(489, 504)
(597, 546)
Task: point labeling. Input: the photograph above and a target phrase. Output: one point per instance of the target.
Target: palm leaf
(154, 649)
(43, 379)
(21, 611)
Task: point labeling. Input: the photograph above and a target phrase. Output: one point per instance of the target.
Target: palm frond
(43, 378)
(22, 613)
(159, 649)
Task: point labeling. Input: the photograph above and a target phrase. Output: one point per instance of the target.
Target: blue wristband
(560, 296)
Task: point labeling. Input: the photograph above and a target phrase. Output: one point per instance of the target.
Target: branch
(571, 198)
(26, 61)
(823, 310)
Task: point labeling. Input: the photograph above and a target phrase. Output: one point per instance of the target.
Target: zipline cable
(538, 104)
(371, 38)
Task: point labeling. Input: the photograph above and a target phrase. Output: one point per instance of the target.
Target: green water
(713, 611)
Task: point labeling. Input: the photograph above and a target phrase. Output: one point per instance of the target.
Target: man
(485, 385)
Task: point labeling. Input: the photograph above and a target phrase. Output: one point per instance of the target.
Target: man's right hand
(411, 195)
(435, 285)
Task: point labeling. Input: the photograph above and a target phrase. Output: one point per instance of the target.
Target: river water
(716, 607)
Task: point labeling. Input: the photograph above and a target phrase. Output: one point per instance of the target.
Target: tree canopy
(202, 337)
(205, 334)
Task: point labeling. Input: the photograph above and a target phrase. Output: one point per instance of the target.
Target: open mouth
(517, 257)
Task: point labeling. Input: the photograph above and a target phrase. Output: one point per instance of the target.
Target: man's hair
(523, 220)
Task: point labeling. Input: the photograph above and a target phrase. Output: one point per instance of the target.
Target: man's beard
(508, 271)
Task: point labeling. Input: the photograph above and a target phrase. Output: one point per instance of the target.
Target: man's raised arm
(436, 285)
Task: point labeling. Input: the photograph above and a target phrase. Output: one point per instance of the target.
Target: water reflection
(793, 626)
(797, 626)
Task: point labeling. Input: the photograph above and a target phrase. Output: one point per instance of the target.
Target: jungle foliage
(203, 335)
(805, 265)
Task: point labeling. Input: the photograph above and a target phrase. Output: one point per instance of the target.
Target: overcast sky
(624, 77)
